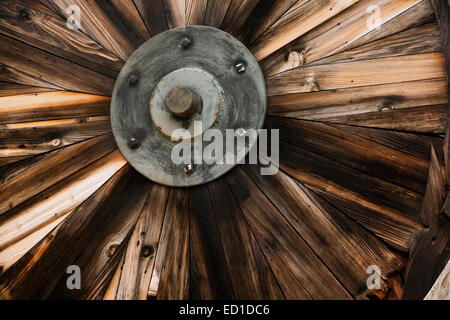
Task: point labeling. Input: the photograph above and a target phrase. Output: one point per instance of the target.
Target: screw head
(240, 67)
(241, 132)
(188, 169)
(133, 80)
(133, 143)
(185, 43)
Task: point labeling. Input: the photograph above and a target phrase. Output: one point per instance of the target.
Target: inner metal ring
(220, 84)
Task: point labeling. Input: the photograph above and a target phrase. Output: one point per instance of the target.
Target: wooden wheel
(359, 91)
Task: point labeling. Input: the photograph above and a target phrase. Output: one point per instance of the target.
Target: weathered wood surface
(300, 273)
(237, 15)
(442, 10)
(51, 106)
(95, 246)
(57, 200)
(177, 10)
(195, 12)
(250, 274)
(373, 106)
(346, 253)
(137, 268)
(358, 74)
(38, 26)
(209, 275)
(351, 28)
(152, 12)
(53, 168)
(12, 75)
(170, 278)
(296, 23)
(215, 12)
(52, 69)
(8, 89)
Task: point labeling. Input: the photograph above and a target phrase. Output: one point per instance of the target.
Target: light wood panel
(358, 74)
(178, 12)
(195, 12)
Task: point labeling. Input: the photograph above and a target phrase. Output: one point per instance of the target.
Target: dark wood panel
(152, 12)
(250, 273)
(8, 89)
(170, 277)
(52, 69)
(12, 75)
(287, 253)
(209, 276)
(237, 15)
(348, 260)
(38, 26)
(215, 12)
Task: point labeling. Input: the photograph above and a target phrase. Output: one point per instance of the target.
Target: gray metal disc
(143, 81)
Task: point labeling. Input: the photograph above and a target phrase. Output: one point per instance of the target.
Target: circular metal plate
(212, 63)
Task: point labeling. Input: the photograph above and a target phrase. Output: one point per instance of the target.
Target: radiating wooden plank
(177, 10)
(215, 12)
(388, 210)
(442, 11)
(195, 12)
(111, 291)
(333, 104)
(325, 233)
(281, 244)
(52, 69)
(17, 140)
(421, 39)
(440, 289)
(299, 21)
(126, 17)
(209, 276)
(336, 34)
(137, 269)
(251, 275)
(358, 74)
(353, 151)
(8, 89)
(237, 14)
(427, 119)
(38, 26)
(57, 200)
(446, 151)
(103, 222)
(435, 192)
(264, 15)
(51, 106)
(52, 169)
(96, 23)
(170, 278)
(12, 75)
(152, 12)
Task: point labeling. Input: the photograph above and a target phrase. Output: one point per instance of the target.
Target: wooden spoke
(237, 14)
(152, 12)
(215, 12)
(195, 11)
(177, 9)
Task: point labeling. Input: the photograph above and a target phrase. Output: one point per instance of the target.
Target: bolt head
(188, 169)
(133, 80)
(240, 67)
(241, 132)
(185, 43)
(133, 143)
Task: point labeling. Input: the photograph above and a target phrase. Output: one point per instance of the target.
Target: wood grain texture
(300, 273)
(170, 278)
(391, 212)
(38, 26)
(52, 169)
(56, 201)
(335, 35)
(209, 275)
(358, 74)
(250, 274)
(348, 260)
(95, 245)
(126, 17)
(442, 11)
(237, 15)
(52, 69)
(13, 75)
(51, 106)
(96, 23)
(137, 268)
(195, 12)
(177, 10)
(299, 21)
(215, 12)
(333, 104)
(8, 89)
(152, 12)
(351, 150)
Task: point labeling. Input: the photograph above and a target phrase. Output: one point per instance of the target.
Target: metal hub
(175, 81)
